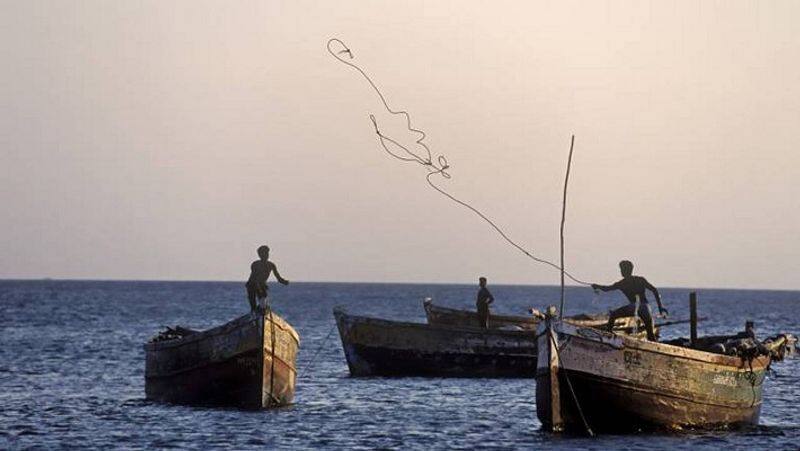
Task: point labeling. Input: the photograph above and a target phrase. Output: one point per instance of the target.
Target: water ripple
(72, 368)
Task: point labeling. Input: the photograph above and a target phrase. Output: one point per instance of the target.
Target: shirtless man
(259, 273)
(632, 287)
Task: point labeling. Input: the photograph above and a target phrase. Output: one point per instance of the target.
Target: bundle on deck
(172, 333)
(743, 344)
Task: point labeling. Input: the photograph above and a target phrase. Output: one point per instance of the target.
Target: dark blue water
(72, 371)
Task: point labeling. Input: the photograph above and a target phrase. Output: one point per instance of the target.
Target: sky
(167, 140)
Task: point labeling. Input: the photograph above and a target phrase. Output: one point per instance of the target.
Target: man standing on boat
(484, 299)
(259, 273)
(633, 287)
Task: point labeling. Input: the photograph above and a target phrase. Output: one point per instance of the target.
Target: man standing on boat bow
(484, 299)
(633, 287)
(259, 273)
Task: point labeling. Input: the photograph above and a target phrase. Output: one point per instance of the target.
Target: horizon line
(342, 282)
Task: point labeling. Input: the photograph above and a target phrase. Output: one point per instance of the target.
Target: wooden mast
(563, 220)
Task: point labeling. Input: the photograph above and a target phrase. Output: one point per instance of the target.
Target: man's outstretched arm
(597, 286)
(650, 287)
(278, 275)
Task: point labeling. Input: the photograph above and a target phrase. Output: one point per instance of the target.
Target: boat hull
(375, 347)
(237, 364)
(623, 383)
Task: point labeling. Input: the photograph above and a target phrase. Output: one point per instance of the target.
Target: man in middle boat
(633, 287)
(484, 299)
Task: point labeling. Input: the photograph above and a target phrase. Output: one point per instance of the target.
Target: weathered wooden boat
(588, 379)
(445, 316)
(377, 347)
(248, 363)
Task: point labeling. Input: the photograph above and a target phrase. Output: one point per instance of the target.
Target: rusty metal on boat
(248, 363)
(588, 379)
(378, 347)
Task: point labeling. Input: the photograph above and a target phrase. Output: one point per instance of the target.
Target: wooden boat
(377, 347)
(248, 363)
(587, 378)
(466, 318)
(444, 316)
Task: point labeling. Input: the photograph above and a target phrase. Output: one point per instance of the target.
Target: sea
(72, 371)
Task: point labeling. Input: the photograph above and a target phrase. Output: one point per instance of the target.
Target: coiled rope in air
(437, 167)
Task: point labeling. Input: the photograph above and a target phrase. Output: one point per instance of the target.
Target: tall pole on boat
(693, 318)
(563, 220)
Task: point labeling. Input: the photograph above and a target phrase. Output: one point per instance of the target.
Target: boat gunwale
(589, 320)
(642, 344)
(425, 326)
(430, 306)
(224, 329)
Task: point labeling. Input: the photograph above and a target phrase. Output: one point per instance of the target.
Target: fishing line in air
(435, 167)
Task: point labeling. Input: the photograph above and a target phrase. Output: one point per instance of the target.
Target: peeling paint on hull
(624, 383)
(611, 406)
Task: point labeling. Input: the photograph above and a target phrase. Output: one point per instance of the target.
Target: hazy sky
(166, 140)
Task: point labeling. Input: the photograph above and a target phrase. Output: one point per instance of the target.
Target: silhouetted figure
(259, 273)
(484, 299)
(633, 287)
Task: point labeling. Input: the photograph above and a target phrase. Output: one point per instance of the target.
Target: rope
(319, 348)
(272, 398)
(751, 377)
(571, 390)
(436, 167)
